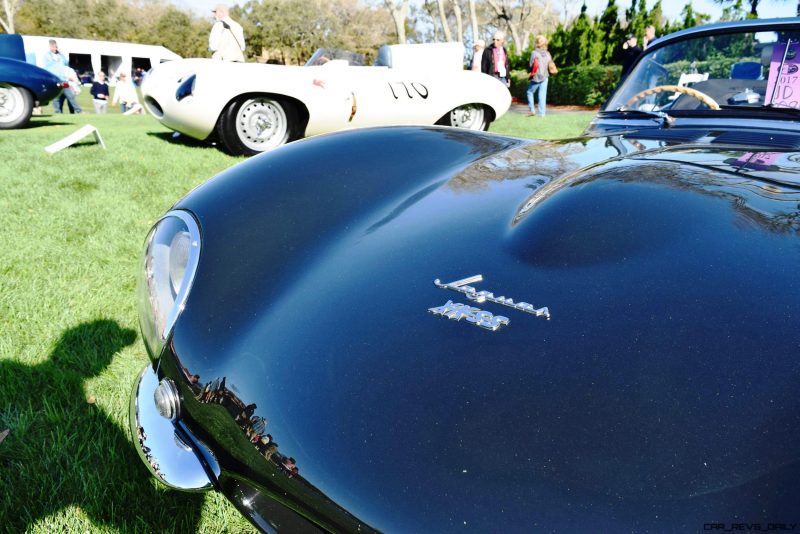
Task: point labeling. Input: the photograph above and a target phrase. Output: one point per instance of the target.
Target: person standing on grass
(649, 36)
(71, 86)
(495, 60)
(630, 51)
(477, 55)
(125, 95)
(100, 93)
(226, 41)
(56, 63)
(540, 66)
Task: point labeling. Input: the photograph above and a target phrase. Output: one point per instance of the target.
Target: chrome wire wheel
(12, 103)
(261, 124)
(470, 116)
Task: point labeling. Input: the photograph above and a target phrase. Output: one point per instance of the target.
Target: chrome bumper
(164, 447)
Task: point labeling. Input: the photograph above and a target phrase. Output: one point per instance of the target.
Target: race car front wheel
(254, 124)
(470, 116)
(16, 106)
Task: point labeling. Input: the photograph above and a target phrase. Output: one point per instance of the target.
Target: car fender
(43, 85)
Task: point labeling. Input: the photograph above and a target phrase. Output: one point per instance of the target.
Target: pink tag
(783, 89)
(757, 161)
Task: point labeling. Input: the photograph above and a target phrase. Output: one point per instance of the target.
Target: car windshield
(737, 69)
(324, 55)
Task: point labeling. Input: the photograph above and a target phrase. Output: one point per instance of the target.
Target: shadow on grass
(179, 139)
(64, 451)
(39, 121)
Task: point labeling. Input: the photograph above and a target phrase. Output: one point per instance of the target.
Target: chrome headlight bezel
(168, 267)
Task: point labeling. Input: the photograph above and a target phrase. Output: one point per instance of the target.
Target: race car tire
(16, 106)
(470, 116)
(253, 124)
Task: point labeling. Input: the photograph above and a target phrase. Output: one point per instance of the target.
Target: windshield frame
(754, 26)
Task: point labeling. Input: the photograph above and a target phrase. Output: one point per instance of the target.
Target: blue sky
(672, 9)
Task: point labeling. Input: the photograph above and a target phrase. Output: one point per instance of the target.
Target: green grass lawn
(72, 226)
(553, 126)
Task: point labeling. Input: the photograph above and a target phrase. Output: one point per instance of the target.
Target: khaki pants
(100, 106)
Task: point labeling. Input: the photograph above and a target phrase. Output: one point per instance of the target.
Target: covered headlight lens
(186, 88)
(171, 255)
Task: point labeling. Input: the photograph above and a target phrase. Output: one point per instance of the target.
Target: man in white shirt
(226, 40)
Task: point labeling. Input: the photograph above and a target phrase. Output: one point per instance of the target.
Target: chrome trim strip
(753, 25)
(191, 269)
(631, 127)
(167, 453)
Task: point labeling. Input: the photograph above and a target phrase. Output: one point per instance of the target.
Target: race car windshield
(324, 55)
(738, 69)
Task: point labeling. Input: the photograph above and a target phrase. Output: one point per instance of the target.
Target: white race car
(250, 108)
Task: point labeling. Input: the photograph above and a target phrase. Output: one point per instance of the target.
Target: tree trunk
(526, 39)
(399, 14)
(459, 21)
(445, 28)
(9, 8)
(473, 20)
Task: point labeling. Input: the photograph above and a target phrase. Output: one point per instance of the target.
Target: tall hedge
(581, 85)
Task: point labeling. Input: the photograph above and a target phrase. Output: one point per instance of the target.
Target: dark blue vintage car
(435, 330)
(22, 85)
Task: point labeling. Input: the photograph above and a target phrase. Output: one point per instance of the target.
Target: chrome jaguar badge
(462, 286)
(457, 311)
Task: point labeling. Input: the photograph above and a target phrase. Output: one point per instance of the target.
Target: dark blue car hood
(661, 394)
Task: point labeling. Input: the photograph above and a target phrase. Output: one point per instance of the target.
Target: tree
(523, 18)
(112, 20)
(753, 6)
(567, 6)
(10, 8)
(473, 20)
(637, 18)
(291, 30)
(513, 15)
(734, 11)
(692, 18)
(459, 21)
(360, 28)
(399, 12)
(445, 19)
(656, 17)
(609, 31)
(181, 34)
(445, 27)
(80, 19)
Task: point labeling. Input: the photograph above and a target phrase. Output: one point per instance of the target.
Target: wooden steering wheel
(702, 97)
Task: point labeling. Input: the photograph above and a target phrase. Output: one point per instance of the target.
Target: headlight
(186, 88)
(171, 254)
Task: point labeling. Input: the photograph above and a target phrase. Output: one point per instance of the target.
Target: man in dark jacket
(630, 51)
(495, 60)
